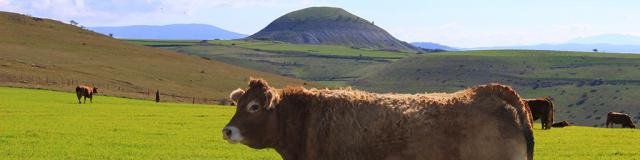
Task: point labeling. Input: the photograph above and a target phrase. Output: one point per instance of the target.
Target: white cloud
(124, 12)
(235, 14)
(6, 5)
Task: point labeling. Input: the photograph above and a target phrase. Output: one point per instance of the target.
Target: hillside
(584, 86)
(333, 26)
(331, 65)
(169, 32)
(42, 53)
(118, 128)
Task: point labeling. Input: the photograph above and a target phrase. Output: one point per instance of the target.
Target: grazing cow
(541, 108)
(560, 124)
(619, 118)
(485, 122)
(86, 92)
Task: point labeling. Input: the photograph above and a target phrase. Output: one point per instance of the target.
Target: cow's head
(95, 90)
(255, 121)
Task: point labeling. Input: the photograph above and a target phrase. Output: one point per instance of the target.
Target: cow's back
(84, 91)
(461, 126)
(478, 130)
(539, 107)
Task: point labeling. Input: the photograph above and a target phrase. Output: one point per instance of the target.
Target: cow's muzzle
(232, 134)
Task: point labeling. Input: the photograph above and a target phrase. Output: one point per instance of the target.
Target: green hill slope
(43, 53)
(330, 65)
(584, 86)
(36, 124)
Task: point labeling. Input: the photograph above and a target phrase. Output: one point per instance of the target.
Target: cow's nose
(226, 132)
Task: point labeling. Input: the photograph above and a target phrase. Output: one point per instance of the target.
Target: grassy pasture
(39, 124)
(584, 86)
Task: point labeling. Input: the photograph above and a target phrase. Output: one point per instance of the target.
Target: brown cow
(485, 122)
(619, 118)
(541, 108)
(86, 92)
(560, 124)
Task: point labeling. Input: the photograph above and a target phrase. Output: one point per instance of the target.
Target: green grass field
(39, 124)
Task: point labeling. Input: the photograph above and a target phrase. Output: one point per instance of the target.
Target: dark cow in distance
(488, 122)
(560, 124)
(619, 118)
(86, 92)
(541, 108)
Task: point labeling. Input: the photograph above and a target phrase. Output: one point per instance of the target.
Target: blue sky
(451, 22)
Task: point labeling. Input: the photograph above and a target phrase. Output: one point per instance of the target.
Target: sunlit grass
(576, 142)
(38, 124)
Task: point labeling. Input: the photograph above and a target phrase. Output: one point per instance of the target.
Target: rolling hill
(169, 32)
(584, 86)
(333, 26)
(43, 53)
(331, 65)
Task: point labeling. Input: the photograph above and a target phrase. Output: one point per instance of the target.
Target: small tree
(111, 35)
(595, 50)
(72, 22)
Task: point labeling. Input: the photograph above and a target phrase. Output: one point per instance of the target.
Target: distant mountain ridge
(611, 43)
(333, 26)
(431, 45)
(169, 32)
(611, 48)
(615, 39)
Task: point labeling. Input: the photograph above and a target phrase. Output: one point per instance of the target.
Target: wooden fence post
(157, 96)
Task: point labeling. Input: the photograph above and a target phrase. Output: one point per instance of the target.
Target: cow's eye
(253, 108)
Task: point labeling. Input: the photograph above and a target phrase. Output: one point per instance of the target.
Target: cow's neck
(293, 119)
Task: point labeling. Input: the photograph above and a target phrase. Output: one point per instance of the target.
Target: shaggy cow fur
(86, 92)
(484, 122)
(541, 108)
(619, 118)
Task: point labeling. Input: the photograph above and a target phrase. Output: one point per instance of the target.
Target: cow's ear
(236, 94)
(273, 98)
